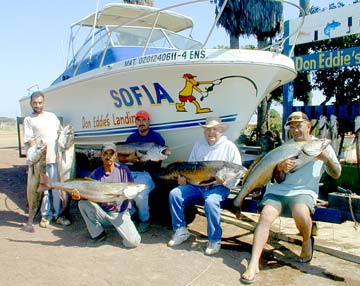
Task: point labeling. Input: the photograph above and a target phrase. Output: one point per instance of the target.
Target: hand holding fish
(132, 158)
(286, 165)
(75, 195)
(323, 156)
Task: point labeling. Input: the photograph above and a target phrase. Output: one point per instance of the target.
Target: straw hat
(215, 121)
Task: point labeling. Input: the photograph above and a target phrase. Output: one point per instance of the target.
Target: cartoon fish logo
(331, 26)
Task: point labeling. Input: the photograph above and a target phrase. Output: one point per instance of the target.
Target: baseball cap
(297, 116)
(143, 114)
(108, 146)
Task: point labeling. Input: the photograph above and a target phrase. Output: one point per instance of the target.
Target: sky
(35, 34)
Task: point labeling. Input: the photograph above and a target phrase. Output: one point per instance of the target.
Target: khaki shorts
(284, 204)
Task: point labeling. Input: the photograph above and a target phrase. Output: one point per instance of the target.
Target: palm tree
(140, 2)
(259, 18)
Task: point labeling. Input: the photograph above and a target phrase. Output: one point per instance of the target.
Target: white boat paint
(101, 103)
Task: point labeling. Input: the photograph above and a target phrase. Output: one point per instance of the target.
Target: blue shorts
(284, 204)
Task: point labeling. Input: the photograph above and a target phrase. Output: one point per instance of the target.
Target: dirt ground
(60, 255)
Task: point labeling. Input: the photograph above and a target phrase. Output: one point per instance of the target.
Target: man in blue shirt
(143, 171)
(97, 216)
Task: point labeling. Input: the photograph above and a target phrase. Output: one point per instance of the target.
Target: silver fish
(66, 158)
(96, 191)
(204, 173)
(323, 127)
(333, 128)
(258, 175)
(36, 159)
(145, 151)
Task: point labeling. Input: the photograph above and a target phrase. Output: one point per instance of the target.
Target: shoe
(44, 222)
(180, 235)
(213, 248)
(307, 256)
(62, 221)
(143, 227)
(94, 241)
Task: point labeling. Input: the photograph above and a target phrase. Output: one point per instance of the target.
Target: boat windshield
(138, 36)
(111, 36)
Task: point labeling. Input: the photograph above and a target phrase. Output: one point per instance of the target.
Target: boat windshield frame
(134, 23)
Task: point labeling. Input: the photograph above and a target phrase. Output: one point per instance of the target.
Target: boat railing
(276, 46)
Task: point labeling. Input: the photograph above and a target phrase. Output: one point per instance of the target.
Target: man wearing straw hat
(214, 146)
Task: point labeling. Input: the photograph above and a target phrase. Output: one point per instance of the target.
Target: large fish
(66, 153)
(258, 175)
(323, 127)
(145, 151)
(36, 159)
(334, 132)
(204, 173)
(65, 159)
(96, 191)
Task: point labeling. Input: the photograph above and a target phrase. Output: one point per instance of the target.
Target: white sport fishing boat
(136, 57)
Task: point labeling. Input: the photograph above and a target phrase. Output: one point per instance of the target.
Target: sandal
(308, 255)
(248, 280)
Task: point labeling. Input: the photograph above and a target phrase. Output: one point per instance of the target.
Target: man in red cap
(143, 171)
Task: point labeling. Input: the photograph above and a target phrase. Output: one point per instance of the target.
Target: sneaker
(44, 222)
(213, 248)
(94, 241)
(143, 227)
(180, 235)
(63, 221)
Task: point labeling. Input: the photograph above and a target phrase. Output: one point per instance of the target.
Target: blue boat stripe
(156, 127)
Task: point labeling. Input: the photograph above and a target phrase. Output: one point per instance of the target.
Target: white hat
(215, 121)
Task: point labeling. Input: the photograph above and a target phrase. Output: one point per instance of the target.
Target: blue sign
(328, 59)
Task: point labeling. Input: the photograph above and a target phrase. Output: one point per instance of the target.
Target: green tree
(259, 18)
(341, 83)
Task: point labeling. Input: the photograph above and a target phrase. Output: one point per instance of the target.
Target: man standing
(143, 171)
(97, 216)
(214, 146)
(45, 126)
(293, 193)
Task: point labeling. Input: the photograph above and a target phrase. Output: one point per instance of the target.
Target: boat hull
(230, 84)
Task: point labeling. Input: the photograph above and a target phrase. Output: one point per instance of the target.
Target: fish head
(66, 137)
(156, 153)
(132, 190)
(231, 176)
(314, 147)
(36, 152)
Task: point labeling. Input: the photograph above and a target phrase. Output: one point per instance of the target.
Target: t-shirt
(304, 180)
(119, 174)
(44, 126)
(223, 150)
(150, 166)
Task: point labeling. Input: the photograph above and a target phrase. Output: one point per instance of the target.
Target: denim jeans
(97, 219)
(185, 195)
(51, 202)
(142, 199)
